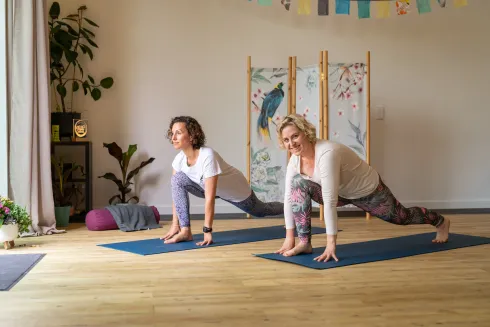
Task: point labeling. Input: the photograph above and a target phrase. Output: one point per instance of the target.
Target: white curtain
(29, 115)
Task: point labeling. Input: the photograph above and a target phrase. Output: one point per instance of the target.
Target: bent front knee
(179, 179)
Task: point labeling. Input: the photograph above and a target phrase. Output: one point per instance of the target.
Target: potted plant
(62, 172)
(123, 185)
(14, 220)
(69, 38)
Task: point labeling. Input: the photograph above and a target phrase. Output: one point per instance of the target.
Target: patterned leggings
(182, 185)
(381, 203)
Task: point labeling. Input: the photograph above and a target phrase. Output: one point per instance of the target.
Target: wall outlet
(379, 112)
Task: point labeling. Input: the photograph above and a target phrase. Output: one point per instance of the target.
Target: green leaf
(87, 50)
(107, 82)
(96, 94)
(135, 198)
(54, 10)
(114, 150)
(72, 19)
(88, 31)
(112, 199)
(71, 56)
(81, 70)
(112, 177)
(91, 79)
(134, 172)
(92, 43)
(127, 156)
(72, 15)
(61, 90)
(258, 190)
(91, 22)
(75, 86)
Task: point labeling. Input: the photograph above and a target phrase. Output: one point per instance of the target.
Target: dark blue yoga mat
(156, 245)
(379, 250)
(13, 267)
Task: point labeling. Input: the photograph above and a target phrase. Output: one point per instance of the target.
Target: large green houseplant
(124, 184)
(70, 38)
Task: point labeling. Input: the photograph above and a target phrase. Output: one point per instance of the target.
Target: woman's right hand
(174, 229)
(286, 246)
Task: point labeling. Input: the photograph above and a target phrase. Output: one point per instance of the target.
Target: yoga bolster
(101, 219)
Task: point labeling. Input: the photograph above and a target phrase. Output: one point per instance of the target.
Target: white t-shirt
(232, 184)
(340, 172)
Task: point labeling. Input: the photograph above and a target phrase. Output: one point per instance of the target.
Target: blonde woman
(332, 174)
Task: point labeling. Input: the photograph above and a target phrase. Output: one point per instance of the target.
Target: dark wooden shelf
(87, 166)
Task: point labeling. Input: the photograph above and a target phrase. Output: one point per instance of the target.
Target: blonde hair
(301, 123)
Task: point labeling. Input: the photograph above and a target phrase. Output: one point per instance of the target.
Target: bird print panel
(347, 105)
(268, 162)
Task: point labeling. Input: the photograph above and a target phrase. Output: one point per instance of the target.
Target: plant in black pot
(69, 38)
(123, 185)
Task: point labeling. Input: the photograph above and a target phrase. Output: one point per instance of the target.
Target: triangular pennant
(403, 7)
(363, 9)
(286, 4)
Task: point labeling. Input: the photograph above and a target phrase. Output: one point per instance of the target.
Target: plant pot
(65, 122)
(62, 215)
(8, 233)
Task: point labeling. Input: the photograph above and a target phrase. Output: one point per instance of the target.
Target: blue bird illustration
(269, 107)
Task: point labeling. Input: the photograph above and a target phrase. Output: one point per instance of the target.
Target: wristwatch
(206, 229)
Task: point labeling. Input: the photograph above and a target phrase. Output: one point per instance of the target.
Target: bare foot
(183, 236)
(442, 232)
(286, 246)
(174, 230)
(300, 248)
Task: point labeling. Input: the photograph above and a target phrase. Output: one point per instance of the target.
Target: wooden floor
(80, 284)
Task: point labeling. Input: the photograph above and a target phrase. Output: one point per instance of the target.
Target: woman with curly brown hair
(332, 174)
(201, 171)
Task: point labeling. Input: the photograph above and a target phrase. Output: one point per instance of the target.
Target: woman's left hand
(329, 251)
(208, 240)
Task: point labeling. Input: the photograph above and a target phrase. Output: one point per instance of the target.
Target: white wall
(189, 57)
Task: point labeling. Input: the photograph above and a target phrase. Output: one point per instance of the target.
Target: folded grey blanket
(133, 217)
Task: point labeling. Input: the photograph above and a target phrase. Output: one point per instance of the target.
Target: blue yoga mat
(379, 250)
(156, 245)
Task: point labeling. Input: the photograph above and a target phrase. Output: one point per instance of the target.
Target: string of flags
(364, 7)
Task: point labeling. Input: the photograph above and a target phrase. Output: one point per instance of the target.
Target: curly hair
(197, 136)
(301, 123)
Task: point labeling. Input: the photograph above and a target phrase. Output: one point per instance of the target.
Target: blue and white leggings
(182, 185)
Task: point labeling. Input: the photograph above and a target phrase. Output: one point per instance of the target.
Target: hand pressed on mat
(329, 252)
(208, 240)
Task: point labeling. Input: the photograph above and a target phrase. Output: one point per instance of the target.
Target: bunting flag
(383, 9)
(286, 4)
(403, 7)
(460, 3)
(364, 9)
(423, 6)
(304, 7)
(342, 7)
(265, 2)
(322, 7)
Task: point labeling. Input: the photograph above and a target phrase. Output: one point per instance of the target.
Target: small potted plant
(62, 173)
(14, 220)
